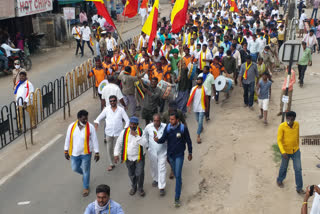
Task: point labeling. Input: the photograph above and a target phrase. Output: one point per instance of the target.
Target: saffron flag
(234, 7)
(179, 15)
(131, 8)
(150, 26)
(102, 11)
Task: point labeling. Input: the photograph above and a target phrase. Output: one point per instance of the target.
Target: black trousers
(136, 173)
(78, 46)
(208, 109)
(302, 70)
(88, 43)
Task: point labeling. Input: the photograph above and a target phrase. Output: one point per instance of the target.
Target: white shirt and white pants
(85, 36)
(113, 127)
(80, 161)
(157, 153)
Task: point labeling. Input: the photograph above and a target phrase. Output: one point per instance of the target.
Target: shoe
(265, 123)
(301, 85)
(142, 193)
(177, 203)
(280, 184)
(132, 191)
(154, 184)
(105, 141)
(260, 117)
(279, 114)
(251, 108)
(301, 192)
(171, 176)
(85, 192)
(318, 165)
(110, 168)
(162, 192)
(207, 118)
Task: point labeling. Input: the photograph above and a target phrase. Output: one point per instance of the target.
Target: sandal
(110, 168)
(142, 193)
(85, 192)
(199, 140)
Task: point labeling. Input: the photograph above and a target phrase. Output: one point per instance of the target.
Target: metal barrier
(46, 101)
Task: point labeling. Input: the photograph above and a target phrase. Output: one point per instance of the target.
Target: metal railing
(45, 101)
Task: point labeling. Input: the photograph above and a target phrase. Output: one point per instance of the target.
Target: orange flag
(234, 7)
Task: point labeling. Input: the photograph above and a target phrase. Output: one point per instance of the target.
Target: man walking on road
(151, 100)
(177, 136)
(114, 115)
(247, 77)
(81, 139)
(16, 71)
(85, 37)
(157, 153)
(199, 99)
(288, 142)
(103, 204)
(304, 61)
(129, 147)
(77, 36)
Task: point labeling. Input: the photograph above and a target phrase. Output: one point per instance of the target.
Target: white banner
(69, 13)
(29, 7)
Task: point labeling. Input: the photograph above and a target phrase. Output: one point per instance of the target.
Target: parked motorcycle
(25, 61)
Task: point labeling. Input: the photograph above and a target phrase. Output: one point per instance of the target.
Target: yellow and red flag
(131, 8)
(234, 7)
(102, 11)
(179, 15)
(150, 26)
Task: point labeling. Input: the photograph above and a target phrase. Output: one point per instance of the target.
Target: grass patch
(276, 153)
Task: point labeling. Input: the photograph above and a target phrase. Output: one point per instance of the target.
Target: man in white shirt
(253, 47)
(101, 21)
(81, 139)
(111, 89)
(8, 49)
(114, 115)
(236, 54)
(204, 57)
(199, 99)
(76, 30)
(208, 83)
(85, 37)
(262, 42)
(157, 152)
(23, 92)
(111, 42)
(143, 41)
(129, 147)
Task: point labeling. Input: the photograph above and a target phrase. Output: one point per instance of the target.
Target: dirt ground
(238, 169)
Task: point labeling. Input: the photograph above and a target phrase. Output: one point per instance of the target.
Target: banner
(29, 7)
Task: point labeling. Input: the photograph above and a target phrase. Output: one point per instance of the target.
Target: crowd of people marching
(177, 77)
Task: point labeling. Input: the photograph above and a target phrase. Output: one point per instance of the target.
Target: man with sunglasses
(113, 115)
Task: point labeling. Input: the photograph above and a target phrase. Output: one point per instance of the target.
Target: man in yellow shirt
(288, 142)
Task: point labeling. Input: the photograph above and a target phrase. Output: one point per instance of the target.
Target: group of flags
(178, 15)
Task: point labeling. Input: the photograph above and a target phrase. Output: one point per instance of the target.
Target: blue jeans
(315, 12)
(199, 119)
(81, 164)
(254, 57)
(176, 165)
(296, 158)
(248, 93)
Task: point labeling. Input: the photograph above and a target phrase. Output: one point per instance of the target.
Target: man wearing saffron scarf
(130, 146)
(22, 91)
(81, 139)
(247, 75)
(199, 98)
(103, 204)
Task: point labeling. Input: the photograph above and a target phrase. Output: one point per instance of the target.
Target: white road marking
(28, 160)
(23, 203)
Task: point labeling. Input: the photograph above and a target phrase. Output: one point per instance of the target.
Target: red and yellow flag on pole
(234, 7)
(102, 11)
(131, 8)
(179, 15)
(150, 26)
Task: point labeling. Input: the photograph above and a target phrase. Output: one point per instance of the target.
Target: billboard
(29, 7)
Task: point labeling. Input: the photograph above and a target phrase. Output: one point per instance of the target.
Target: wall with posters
(29, 7)
(7, 9)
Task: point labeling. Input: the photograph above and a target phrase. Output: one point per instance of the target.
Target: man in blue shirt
(103, 204)
(177, 136)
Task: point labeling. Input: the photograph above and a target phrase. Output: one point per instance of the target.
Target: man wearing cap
(130, 147)
(16, 71)
(103, 45)
(247, 75)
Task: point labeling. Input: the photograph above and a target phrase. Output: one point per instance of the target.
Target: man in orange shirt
(107, 65)
(166, 68)
(99, 74)
(148, 67)
(216, 69)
